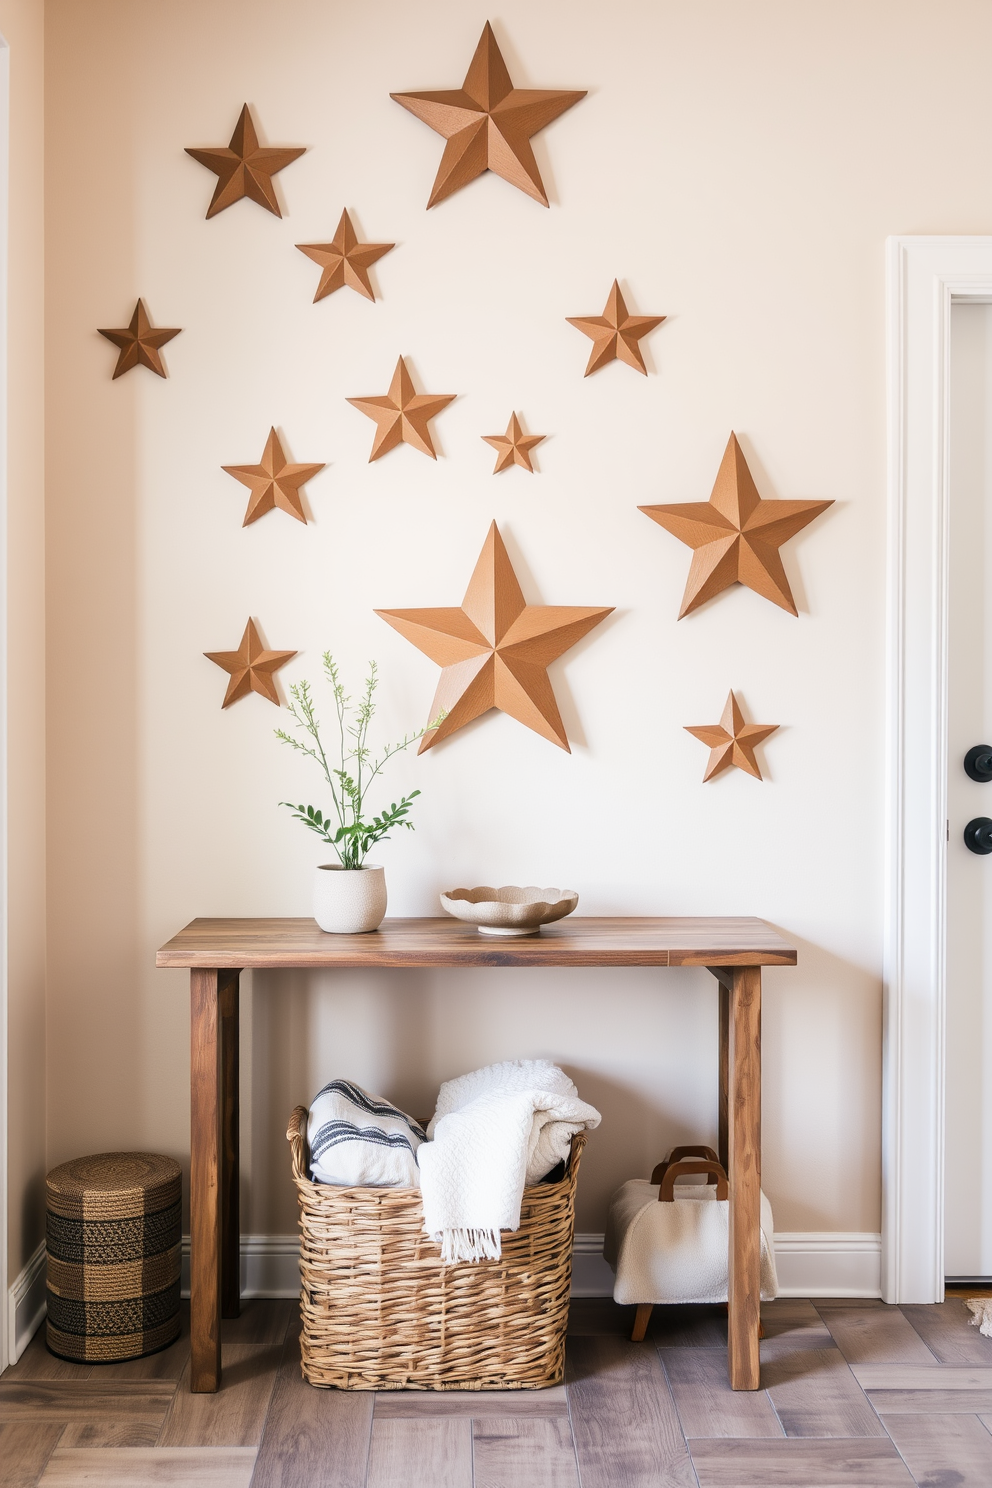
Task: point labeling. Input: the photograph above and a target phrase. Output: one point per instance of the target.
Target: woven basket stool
(114, 1244)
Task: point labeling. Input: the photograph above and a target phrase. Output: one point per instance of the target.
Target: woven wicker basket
(380, 1311)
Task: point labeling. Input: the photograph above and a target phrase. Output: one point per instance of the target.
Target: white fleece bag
(678, 1251)
(359, 1141)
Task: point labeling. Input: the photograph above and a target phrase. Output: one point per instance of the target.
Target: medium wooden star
(245, 168)
(732, 741)
(615, 334)
(344, 260)
(736, 535)
(251, 667)
(513, 447)
(402, 415)
(495, 649)
(488, 124)
(138, 344)
(273, 483)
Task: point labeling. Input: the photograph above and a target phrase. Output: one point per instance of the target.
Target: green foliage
(351, 836)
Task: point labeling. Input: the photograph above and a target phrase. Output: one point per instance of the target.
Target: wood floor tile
(827, 1302)
(861, 1463)
(873, 1335)
(235, 1416)
(37, 1363)
(527, 1452)
(920, 1377)
(789, 1315)
(48, 1400)
(945, 1328)
(313, 1438)
(624, 1423)
(111, 1434)
(815, 1394)
(590, 1316)
(24, 1450)
(707, 1406)
(140, 1467)
(168, 1363)
(401, 1405)
(946, 1402)
(431, 1452)
(944, 1450)
(689, 1327)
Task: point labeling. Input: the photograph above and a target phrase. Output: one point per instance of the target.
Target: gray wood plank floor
(853, 1393)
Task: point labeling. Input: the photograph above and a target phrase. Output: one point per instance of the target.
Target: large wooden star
(615, 333)
(245, 168)
(488, 124)
(495, 649)
(251, 667)
(138, 344)
(344, 260)
(274, 482)
(736, 535)
(732, 741)
(513, 447)
(402, 415)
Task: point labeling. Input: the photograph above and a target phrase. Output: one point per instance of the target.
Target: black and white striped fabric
(357, 1140)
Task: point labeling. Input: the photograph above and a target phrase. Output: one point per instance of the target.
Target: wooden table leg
(744, 1119)
(230, 1141)
(206, 1101)
(723, 1099)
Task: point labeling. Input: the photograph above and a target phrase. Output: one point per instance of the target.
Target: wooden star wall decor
(251, 667)
(344, 260)
(245, 168)
(615, 333)
(732, 741)
(402, 415)
(736, 535)
(138, 344)
(513, 447)
(495, 649)
(274, 482)
(488, 124)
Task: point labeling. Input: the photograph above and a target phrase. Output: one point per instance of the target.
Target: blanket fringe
(469, 1245)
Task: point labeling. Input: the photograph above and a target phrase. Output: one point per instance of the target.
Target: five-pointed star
(615, 334)
(513, 447)
(732, 741)
(402, 415)
(488, 124)
(245, 168)
(736, 535)
(495, 649)
(139, 345)
(344, 260)
(251, 667)
(273, 483)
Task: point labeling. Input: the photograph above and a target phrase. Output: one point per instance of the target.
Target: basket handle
(296, 1133)
(666, 1193)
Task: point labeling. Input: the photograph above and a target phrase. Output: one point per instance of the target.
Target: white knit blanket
(494, 1131)
(356, 1140)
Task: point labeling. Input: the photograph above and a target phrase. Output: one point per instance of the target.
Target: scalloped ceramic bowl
(510, 910)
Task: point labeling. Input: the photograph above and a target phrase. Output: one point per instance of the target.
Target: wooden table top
(615, 940)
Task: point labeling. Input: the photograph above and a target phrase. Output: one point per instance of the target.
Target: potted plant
(350, 895)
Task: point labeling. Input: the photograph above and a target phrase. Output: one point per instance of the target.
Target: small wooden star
(488, 124)
(495, 649)
(273, 483)
(344, 260)
(732, 741)
(251, 667)
(402, 415)
(615, 334)
(138, 344)
(513, 447)
(245, 168)
(736, 535)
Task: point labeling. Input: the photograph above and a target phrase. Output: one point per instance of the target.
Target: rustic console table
(216, 951)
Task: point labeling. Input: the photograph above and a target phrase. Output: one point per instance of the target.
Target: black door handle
(978, 835)
(978, 763)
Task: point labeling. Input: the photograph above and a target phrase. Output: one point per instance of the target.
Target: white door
(968, 1107)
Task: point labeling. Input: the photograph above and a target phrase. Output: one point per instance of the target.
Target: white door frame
(925, 276)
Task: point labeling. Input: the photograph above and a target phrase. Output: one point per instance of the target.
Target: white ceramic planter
(349, 901)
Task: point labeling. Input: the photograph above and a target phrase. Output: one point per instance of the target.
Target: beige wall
(738, 167)
(22, 26)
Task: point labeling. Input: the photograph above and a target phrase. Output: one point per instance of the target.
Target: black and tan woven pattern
(114, 1247)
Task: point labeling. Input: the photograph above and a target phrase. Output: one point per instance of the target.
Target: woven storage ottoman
(114, 1245)
(381, 1312)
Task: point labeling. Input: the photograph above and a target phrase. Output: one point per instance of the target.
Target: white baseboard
(26, 1304)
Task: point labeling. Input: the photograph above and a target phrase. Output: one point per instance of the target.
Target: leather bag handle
(684, 1169)
(679, 1152)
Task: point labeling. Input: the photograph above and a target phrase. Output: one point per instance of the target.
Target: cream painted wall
(22, 26)
(738, 168)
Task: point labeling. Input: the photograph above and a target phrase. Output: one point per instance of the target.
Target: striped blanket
(356, 1139)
